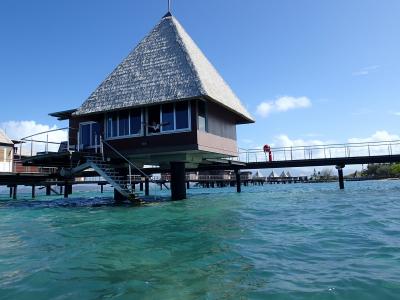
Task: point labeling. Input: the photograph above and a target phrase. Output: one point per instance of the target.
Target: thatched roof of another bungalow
(272, 175)
(4, 139)
(258, 174)
(166, 66)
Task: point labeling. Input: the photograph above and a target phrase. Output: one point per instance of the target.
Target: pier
(62, 178)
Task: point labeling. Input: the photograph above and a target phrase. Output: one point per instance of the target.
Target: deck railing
(321, 151)
(28, 143)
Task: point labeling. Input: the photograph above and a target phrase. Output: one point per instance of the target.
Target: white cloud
(378, 136)
(395, 113)
(17, 130)
(366, 70)
(282, 104)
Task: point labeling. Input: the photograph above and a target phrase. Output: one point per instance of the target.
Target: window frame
(107, 117)
(92, 145)
(205, 117)
(188, 129)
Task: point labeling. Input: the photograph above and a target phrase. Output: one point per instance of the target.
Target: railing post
(31, 147)
(102, 147)
(67, 142)
(77, 141)
(47, 143)
(130, 176)
(291, 153)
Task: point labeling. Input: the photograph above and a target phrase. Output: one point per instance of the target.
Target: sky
(309, 71)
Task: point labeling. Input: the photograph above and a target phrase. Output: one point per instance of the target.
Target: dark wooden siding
(221, 122)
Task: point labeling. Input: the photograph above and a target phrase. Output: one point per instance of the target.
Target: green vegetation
(382, 170)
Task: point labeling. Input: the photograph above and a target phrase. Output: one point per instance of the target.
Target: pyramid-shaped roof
(166, 66)
(4, 139)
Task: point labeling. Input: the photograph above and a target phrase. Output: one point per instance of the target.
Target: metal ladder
(110, 174)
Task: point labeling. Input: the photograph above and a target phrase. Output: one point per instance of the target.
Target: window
(85, 135)
(112, 125)
(123, 123)
(89, 135)
(202, 116)
(168, 122)
(95, 134)
(182, 115)
(168, 117)
(136, 121)
(153, 121)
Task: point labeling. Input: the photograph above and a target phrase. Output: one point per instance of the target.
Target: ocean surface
(301, 241)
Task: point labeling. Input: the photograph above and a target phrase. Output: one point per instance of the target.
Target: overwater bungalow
(164, 104)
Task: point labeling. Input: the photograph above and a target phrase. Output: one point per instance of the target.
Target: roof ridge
(199, 83)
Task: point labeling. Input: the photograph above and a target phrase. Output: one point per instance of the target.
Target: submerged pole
(340, 176)
(146, 186)
(15, 192)
(33, 191)
(178, 181)
(238, 181)
(48, 190)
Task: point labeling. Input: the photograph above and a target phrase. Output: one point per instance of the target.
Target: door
(89, 135)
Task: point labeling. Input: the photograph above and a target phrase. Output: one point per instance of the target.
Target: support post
(11, 191)
(61, 189)
(238, 181)
(15, 192)
(101, 188)
(146, 186)
(141, 186)
(33, 191)
(66, 191)
(340, 175)
(69, 189)
(48, 190)
(188, 184)
(178, 180)
(118, 197)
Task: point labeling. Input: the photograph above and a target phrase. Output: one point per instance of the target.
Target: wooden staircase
(109, 173)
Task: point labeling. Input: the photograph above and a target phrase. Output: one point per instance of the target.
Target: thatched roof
(272, 174)
(4, 140)
(166, 66)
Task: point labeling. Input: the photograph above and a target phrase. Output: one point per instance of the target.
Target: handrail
(127, 160)
(48, 131)
(322, 146)
(321, 151)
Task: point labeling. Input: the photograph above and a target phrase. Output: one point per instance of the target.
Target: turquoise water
(303, 241)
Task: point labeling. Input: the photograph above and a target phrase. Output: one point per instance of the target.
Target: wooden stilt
(146, 186)
(340, 176)
(178, 179)
(238, 182)
(33, 191)
(15, 192)
(48, 190)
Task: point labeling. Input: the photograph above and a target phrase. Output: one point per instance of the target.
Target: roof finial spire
(169, 6)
